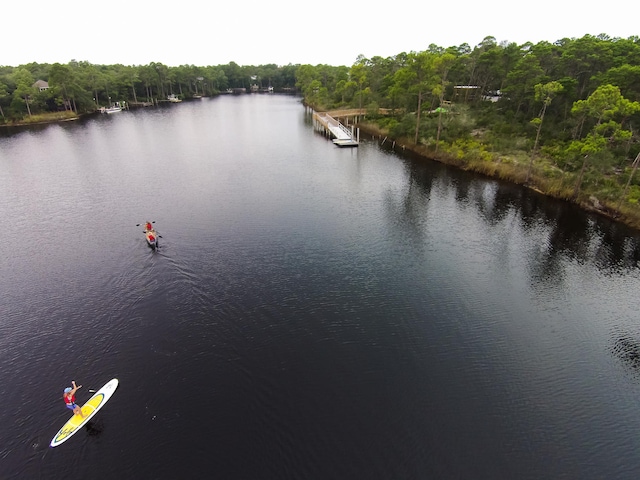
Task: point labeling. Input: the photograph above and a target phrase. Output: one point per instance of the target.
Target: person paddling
(69, 398)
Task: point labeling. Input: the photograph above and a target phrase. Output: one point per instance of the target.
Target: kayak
(89, 409)
(152, 237)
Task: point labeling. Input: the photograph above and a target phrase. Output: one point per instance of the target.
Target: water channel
(313, 312)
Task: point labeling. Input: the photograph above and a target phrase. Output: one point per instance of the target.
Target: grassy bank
(50, 117)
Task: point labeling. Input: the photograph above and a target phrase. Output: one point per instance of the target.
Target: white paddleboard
(89, 409)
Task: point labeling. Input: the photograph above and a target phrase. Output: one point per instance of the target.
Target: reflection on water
(560, 228)
(550, 236)
(626, 347)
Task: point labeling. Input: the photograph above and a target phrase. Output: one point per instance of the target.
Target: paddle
(159, 236)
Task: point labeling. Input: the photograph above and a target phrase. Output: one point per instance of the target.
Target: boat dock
(141, 104)
(342, 136)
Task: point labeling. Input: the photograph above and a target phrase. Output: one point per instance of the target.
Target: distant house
(41, 85)
(465, 92)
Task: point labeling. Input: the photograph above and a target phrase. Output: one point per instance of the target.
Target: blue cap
(67, 390)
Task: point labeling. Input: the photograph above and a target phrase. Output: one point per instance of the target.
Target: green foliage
(468, 149)
(602, 104)
(633, 195)
(558, 154)
(24, 90)
(405, 127)
(373, 111)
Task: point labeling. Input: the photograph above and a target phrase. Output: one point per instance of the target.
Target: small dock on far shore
(342, 136)
(141, 104)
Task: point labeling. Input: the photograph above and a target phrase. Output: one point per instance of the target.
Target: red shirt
(70, 400)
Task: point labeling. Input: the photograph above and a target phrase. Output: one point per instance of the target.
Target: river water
(312, 312)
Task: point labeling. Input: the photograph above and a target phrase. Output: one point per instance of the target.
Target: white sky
(249, 32)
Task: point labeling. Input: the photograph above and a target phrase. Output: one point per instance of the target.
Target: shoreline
(45, 121)
(593, 206)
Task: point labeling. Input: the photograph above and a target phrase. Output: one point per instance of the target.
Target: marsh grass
(46, 118)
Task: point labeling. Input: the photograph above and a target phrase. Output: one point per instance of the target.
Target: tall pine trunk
(535, 144)
(418, 118)
(626, 188)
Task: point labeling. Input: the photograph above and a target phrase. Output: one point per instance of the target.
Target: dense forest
(81, 87)
(560, 117)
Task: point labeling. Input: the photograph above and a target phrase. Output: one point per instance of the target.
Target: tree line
(563, 117)
(82, 87)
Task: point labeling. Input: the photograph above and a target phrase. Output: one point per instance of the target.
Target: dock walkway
(342, 136)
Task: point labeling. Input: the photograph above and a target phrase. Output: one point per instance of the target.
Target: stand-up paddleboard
(89, 409)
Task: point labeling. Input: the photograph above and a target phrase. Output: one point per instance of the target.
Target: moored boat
(114, 108)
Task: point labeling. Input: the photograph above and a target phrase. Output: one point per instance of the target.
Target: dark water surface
(312, 313)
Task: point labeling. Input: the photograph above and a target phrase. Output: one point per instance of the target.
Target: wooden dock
(342, 136)
(141, 104)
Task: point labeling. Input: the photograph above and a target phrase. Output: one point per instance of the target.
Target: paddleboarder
(69, 398)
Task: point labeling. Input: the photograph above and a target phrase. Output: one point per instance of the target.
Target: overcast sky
(137, 32)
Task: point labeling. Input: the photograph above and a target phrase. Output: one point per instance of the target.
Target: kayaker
(148, 227)
(69, 398)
